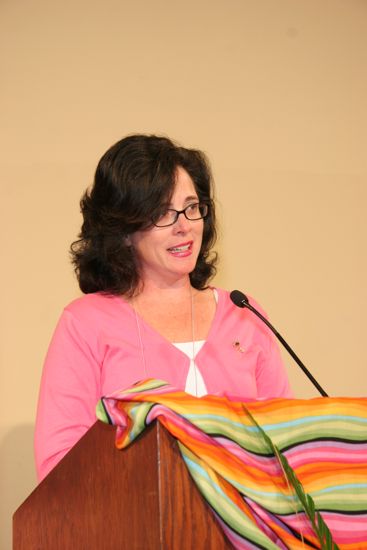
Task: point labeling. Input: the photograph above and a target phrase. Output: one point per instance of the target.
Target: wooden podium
(101, 498)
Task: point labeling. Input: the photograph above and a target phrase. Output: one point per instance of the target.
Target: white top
(194, 382)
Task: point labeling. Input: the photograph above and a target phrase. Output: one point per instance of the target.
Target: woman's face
(168, 254)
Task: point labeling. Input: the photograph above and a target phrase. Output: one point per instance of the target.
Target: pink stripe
(344, 529)
(301, 456)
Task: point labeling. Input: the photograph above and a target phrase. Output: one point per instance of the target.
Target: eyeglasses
(192, 212)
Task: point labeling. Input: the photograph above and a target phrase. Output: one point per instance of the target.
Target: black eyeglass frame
(203, 206)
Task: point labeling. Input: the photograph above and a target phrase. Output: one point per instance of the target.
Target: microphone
(240, 300)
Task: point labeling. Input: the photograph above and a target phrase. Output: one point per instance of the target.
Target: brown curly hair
(133, 180)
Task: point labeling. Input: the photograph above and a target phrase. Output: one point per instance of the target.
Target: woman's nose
(182, 224)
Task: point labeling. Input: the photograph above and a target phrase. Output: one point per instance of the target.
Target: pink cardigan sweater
(96, 350)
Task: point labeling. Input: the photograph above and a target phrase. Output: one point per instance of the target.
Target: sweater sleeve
(69, 391)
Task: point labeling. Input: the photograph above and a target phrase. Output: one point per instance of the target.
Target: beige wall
(275, 93)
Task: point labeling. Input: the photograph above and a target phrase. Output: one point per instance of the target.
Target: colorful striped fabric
(232, 452)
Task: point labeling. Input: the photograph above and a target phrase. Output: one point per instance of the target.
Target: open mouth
(185, 247)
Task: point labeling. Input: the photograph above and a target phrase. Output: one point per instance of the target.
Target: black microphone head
(239, 298)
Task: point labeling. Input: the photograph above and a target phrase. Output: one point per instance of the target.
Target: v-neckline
(159, 336)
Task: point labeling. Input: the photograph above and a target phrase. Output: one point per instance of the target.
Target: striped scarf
(281, 473)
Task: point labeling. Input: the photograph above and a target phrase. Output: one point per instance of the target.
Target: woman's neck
(172, 292)
(180, 314)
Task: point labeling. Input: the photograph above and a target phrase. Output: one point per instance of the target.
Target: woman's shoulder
(94, 304)
(225, 296)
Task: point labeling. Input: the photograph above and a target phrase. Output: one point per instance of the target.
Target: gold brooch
(237, 346)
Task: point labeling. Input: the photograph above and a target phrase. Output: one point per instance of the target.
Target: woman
(143, 261)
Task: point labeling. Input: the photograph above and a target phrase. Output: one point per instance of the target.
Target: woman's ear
(127, 240)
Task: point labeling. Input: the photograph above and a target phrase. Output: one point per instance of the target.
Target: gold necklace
(193, 340)
(140, 342)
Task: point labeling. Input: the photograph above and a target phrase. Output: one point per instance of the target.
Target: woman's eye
(162, 214)
(164, 217)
